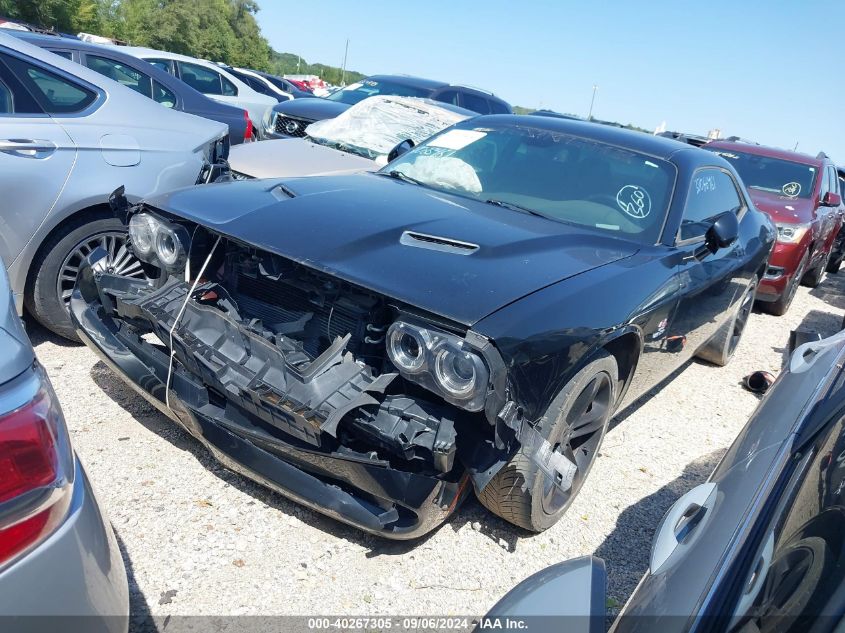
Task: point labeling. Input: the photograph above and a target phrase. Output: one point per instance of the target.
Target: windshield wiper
(515, 207)
(401, 175)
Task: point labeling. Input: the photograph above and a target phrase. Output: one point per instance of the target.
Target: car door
(711, 282)
(36, 154)
(794, 579)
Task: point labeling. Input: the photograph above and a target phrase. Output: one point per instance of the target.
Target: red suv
(801, 195)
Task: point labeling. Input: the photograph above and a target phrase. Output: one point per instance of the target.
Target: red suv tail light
(36, 467)
(248, 130)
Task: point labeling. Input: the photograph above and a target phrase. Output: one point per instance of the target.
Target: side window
(6, 103)
(230, 90)
(448, 96)
(834, 181)
(163, 96)
(797, 571)
(841, 178)
(497, 107)
(122, 74)
(200, 78)
(711, 194)
(54, 94)
(475, 103)
(165, 64)
(14, 97)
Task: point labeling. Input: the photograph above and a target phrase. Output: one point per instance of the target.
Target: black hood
(355, 227)
(311, 108)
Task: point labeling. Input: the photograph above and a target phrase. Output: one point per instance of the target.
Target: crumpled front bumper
(374, 496)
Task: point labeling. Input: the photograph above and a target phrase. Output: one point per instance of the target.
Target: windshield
(774, 175)
(565, 178)
(353, 93)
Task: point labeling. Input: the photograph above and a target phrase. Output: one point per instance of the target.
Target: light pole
(343, 70)
(592, 101)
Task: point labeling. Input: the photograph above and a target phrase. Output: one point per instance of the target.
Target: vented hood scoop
(437, 243)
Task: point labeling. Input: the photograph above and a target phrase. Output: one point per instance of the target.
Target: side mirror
(723, 233)
(574, 589)
(400, 149)
(831, 199)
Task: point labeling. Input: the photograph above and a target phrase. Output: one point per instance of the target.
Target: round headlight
(142, 230)
(168, 246)
(457, 371)
(406, 347)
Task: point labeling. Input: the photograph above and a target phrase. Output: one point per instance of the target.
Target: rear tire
(60, 254)
(720, 349)
(574, 425)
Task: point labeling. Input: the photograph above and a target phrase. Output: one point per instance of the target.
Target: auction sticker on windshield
(457, 139)
(791, 189)
(634, 201)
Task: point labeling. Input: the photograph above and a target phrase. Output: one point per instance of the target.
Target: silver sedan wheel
(120, 261)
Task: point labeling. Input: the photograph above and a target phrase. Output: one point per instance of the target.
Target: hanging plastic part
(179, 316)
(555, 465)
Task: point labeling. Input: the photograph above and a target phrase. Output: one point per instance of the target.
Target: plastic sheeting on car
(376, 125)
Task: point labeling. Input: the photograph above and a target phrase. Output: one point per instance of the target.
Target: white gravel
(198, 539)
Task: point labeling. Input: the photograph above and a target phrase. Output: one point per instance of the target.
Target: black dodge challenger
(471, 315)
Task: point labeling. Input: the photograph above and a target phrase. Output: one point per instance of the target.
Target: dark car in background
(469, 316)
(757, 547)
(146, 79)
(801, 194)
(291, 118)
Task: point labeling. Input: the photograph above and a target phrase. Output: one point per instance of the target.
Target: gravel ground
(198, 539)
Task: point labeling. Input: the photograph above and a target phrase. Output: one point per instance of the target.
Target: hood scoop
(437, 243)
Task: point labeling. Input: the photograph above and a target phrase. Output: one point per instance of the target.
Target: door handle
(682, 520)
(27, 148)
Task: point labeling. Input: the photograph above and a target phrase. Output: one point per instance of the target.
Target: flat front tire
(574, 426)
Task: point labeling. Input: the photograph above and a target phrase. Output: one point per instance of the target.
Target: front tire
(814, 277)
(779, 307)
(55, 267)
(720, 349)
(574, 425)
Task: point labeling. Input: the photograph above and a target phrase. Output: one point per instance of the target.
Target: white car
(359, 139)
(69, 137)
(261, 83)
(209, 79)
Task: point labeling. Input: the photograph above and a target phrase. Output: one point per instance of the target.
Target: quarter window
(122, 74)
(448, 96)
(229, 89)
(65, 54)
(163, 96)
(55, 94)
(6, 105)
(712, 193)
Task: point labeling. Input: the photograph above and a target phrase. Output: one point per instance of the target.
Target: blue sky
(768, 71)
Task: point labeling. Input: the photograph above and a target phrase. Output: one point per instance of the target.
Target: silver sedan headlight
(440, 362)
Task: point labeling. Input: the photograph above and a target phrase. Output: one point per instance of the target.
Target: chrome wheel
(585, 424)
(120, 261)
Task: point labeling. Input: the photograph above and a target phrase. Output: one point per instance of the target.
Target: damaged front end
(349, 402)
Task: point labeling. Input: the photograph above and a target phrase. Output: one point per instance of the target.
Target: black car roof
(657, 146)
(408, 80)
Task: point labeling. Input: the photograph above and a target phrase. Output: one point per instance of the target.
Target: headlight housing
(443, 363)
(791, 233)
(158, 242)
